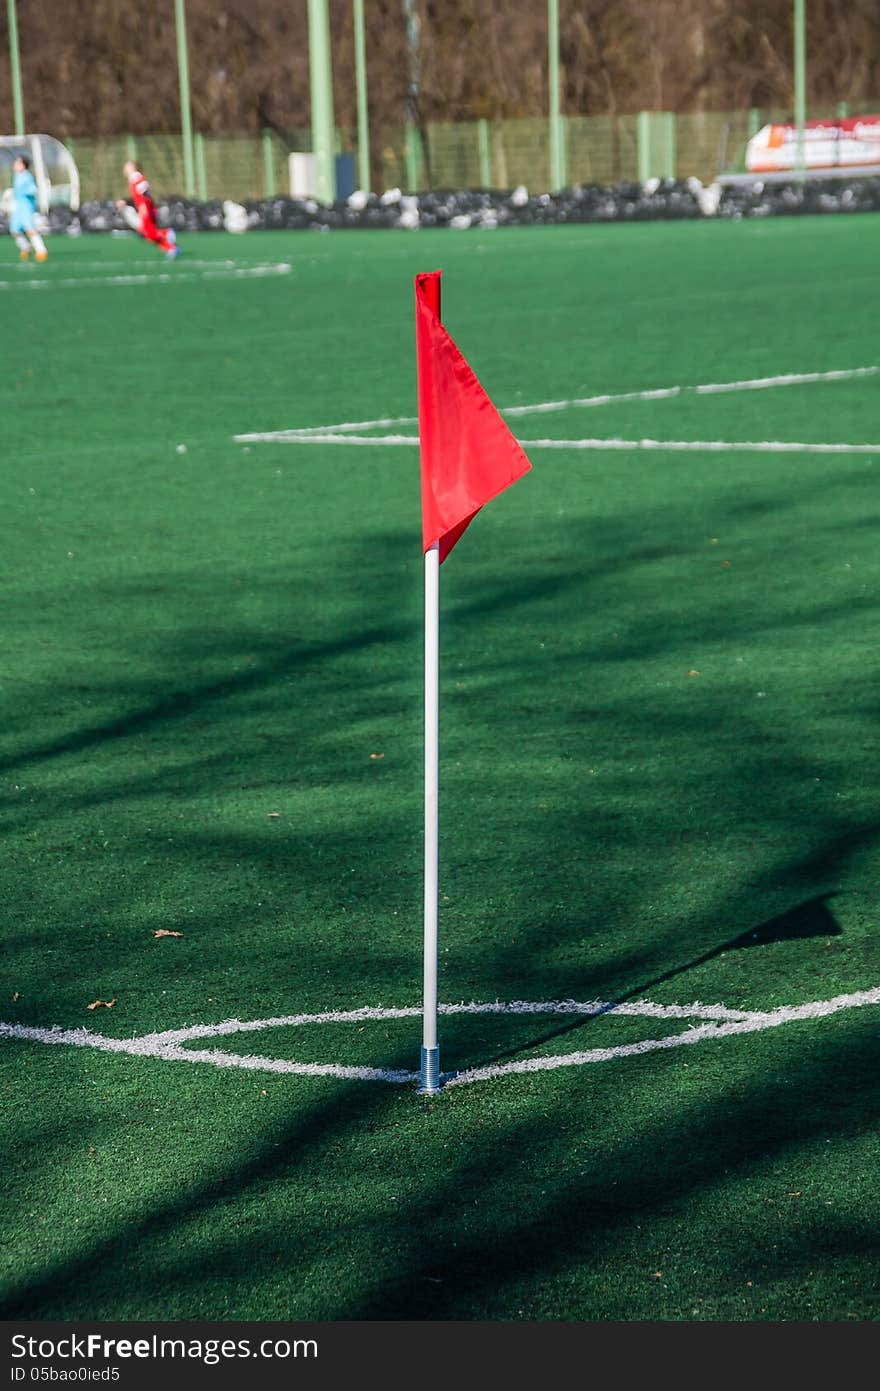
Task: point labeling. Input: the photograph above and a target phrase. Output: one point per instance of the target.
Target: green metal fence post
(412, 130)
(189, 180)
(360, 75)
(800, 82)
(754, 124)
(669, 120)
(321, 86)
(483, 151)
(563, 145)
(269, 189)
(413, 153)
(131, 148)
(842, 110)
(557, 155)
(201, 167)
(643, 137)
(15, 65)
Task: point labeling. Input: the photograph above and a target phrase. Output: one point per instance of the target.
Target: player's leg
(16, 231)
(38, 244)
(146, 226)
(167, 239)
(164, 238)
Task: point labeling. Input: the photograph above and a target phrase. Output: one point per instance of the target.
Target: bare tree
(110, 66)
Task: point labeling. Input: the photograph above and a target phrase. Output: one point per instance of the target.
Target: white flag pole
(430, 1068)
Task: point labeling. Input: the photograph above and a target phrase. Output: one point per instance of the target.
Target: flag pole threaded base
(429, 1077)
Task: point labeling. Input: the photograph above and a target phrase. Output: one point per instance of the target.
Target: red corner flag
(468, 453)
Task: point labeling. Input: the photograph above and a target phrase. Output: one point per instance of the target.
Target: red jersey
(140, 192)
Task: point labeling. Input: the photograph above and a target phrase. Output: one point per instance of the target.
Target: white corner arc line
(719, 1022)
(320, 432)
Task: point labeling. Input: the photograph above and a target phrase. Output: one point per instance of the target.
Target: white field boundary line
(708, 446)
(150, 278)
(192, 263)
(614, 443)
(319, 433)
(174, 1053)
(585, 1008)
(773, 1019)
(718, 1022)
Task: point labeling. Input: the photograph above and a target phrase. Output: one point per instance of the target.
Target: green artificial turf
(659, 771)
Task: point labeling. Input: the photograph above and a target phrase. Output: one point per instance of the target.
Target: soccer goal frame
(52, 165)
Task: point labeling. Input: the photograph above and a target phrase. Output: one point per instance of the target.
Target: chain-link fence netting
(607, 149)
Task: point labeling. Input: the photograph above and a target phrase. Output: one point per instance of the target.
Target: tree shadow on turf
(812, 918)
(182, 696)
(526, 1236)
(516, 1202)
(553, 1223)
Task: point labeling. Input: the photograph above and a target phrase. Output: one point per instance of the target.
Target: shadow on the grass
(572, 887)
(477, 1233)
(812, 918)
(669, 1166)
(291, 718)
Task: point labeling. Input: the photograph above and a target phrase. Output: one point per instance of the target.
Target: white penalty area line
(717, 1021)
(150, 277)
(331, 434)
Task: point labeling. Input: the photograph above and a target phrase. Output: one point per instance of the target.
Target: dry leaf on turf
(96, 1004)
(165, 932)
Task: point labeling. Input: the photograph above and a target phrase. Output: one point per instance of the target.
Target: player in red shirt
(144, 217)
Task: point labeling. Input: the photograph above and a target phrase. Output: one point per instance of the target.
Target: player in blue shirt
(24, 208)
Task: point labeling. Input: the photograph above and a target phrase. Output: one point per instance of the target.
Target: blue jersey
(24, 193)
